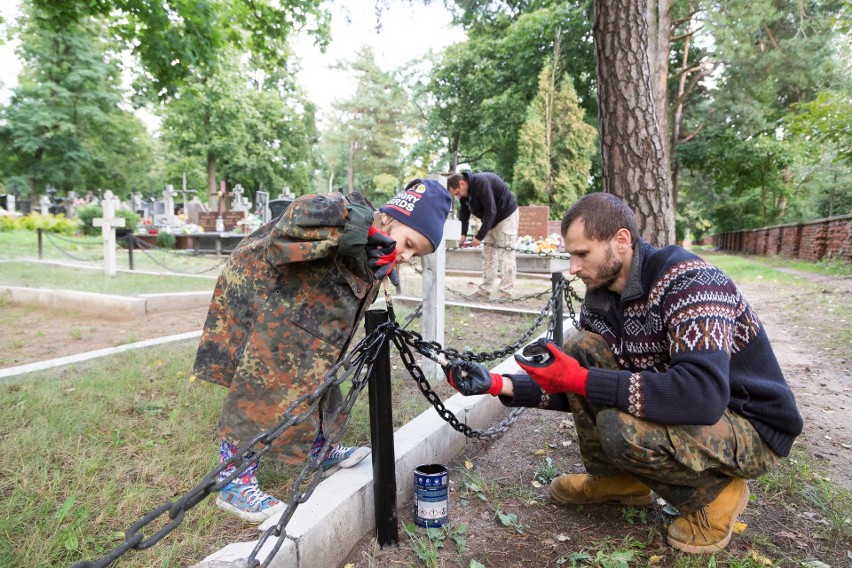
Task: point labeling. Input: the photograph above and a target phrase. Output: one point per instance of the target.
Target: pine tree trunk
(632, 152)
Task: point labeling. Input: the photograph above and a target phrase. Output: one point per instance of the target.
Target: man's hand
(551, 369)
(475, 242)
(381, 255)
(471, 378)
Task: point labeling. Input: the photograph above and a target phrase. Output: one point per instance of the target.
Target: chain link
(148, 248)
(50, 239)
(356, 367)
(563, 255)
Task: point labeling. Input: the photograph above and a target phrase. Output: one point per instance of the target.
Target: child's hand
(381, 255)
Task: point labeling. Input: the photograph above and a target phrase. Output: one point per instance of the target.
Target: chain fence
(356, 368)
(147, 249)
(53, 240)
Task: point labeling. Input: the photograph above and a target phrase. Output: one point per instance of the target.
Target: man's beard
(608, 273)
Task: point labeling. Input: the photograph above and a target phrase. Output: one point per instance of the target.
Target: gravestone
(194, 209)
(278, 206)
(261, 206)
(237, 200)
(533, 221)
(44, 205)
(24, 206)
(208, 221)
(169, 204)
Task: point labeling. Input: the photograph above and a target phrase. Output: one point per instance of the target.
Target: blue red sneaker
(248, 502)
(342, 457)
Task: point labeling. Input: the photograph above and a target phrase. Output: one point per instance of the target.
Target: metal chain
(533, 296)
(564, 255)
(401, 340)
(96, 241)
(147, 253)
(68, 254)
(356, 367)
(416, 340)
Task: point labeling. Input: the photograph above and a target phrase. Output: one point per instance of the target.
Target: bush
(90, 212)
(51, 223)
(166, 240)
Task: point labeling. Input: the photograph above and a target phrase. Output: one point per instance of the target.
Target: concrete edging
(323, 530)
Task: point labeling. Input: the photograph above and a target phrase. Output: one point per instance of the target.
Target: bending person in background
(284, 311)
(672, 382)
(488, 197)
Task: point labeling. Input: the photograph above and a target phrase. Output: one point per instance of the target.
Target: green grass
(35, 275)
(86, 450)
(15, 245)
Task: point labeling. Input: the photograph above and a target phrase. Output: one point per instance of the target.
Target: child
(284, 311)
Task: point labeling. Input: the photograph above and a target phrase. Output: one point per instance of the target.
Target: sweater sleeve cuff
(527, 393)
(602, 387)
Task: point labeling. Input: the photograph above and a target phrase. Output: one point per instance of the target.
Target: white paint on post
(108, 223)
(434, 295)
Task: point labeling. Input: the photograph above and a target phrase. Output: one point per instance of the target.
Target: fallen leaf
(815, 564)
(468, 464)
(654, 559)
(566, 443)
(562, 537)
(739, 527)
(350, 565)
(760, 559)
(539, 452)
(536, 484)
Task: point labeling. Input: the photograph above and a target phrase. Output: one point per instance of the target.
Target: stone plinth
(471, 259)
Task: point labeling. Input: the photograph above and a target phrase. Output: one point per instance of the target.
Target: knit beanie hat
(423, 205)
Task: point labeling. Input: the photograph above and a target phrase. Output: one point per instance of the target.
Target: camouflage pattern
(687, 465)
(283, 312)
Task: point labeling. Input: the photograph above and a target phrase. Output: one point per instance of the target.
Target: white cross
(108, 223)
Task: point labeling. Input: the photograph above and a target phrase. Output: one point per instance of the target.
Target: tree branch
(689, 137)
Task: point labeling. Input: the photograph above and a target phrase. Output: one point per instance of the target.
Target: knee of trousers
(590, 349)
(628, 442)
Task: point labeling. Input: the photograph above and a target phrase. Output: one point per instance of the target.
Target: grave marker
(533, 220)
(108, 223)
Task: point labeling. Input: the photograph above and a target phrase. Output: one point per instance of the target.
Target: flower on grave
(532, 245)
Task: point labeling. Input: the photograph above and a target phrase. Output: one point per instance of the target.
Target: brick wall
(815, 240)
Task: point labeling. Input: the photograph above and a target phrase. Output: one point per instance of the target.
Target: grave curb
(323, 530)
(104, 305)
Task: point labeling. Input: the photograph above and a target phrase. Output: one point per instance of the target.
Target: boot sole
(254, 518)
(715, 547)
(353, 460)
(639, 500)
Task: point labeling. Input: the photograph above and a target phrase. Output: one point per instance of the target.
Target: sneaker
(342, 457)
(709, 529)
(248, 502)
(582, 489)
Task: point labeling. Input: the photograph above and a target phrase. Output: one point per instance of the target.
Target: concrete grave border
(323, 530)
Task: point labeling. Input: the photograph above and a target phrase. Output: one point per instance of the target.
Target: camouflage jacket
(284, 309)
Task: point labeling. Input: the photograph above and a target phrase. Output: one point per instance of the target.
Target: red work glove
(551, 369)
(381, 255)
(471, 378)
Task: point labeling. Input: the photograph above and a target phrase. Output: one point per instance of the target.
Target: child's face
(409, 242)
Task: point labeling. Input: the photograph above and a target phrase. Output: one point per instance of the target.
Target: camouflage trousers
(687, 465)
(504, 235)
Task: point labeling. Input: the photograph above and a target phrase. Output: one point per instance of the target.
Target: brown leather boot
(709, 529)
(582, 489)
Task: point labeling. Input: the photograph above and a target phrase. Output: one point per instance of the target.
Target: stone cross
(108, 223)
(262, 205)
(169, 199)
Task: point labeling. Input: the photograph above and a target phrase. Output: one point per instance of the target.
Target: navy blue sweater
(489, 198)
(689, 346)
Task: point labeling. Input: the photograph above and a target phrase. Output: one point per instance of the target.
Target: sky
(408, 31)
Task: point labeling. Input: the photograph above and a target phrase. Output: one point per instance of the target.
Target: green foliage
(365, 138)
(85, 215)
(828, 118)
(427, 543)
(259, 138)
(482, 87)
(50, 223)
(555, 147)
(166, 240)
(546, 471)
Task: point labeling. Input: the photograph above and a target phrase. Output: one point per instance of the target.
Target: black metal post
(555, 280)
(130, 241)
(381, 437)
(40, 245)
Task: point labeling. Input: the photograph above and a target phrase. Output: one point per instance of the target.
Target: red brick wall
(824, 238)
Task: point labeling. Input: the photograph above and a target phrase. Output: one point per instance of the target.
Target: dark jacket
(690, 346)
(489, 199)
(284, 310)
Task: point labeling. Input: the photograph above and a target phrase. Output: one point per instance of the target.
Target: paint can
(431, 495)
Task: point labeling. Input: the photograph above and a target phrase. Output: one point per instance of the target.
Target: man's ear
(623, 240)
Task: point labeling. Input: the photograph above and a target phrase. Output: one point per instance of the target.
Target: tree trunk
(212, 190)
(632, 152)
(351, 165)
(659, 20)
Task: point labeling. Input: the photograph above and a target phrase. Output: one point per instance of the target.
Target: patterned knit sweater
(690, 346)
